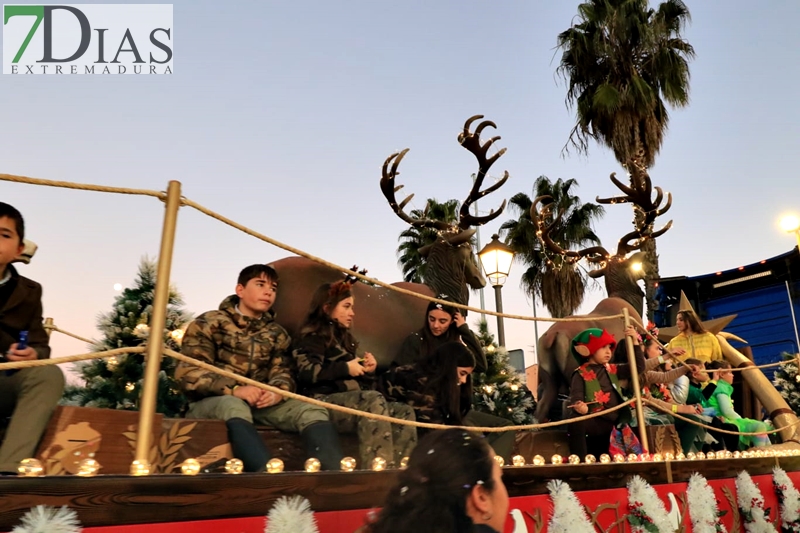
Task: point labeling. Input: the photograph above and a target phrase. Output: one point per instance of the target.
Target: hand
(678, 351)
(248, 393)
(458, 319)
(268, 399)
(370, 363)
(354, 368)
(26, 354)
(580, 407)
(631, 332)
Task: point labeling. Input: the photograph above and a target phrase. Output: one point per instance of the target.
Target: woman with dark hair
(451, 485)
(444, 324)
(329, 369)
(439, 387)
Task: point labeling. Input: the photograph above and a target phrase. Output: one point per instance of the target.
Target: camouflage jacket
(322, 367)
(254, 348)
(409, 384)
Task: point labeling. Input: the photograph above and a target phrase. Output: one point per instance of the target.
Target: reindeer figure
(452, 266)
(555, 361)
(621, 279)
(383, 317)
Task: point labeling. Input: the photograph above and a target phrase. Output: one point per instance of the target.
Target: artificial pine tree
(499, 390)
(116, 382)
(785, 380)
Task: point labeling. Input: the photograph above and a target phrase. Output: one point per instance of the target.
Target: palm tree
(560, 286)
(624, 62)
(413, 238)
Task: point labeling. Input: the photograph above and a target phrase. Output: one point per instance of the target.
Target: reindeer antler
(593, 254)
(472, 142)
(389, 189)
(640, 195)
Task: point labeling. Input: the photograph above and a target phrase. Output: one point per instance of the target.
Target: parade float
(120, 471)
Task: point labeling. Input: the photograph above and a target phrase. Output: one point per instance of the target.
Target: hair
(431, 494)
(256, 271)
(690, 318)
(717, 365)
(441, 369)
(319, 321)
(9, 211)
(693, 361)
(430, 342)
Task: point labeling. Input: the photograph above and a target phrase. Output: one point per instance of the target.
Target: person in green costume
(722, 402)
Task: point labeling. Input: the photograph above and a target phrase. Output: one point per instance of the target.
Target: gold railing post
(637, 390)
(48, 326)
(155, 343)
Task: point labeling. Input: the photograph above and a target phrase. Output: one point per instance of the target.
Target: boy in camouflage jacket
(243, 337)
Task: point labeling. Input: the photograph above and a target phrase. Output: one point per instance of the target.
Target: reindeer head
(621, 279)
(451, 261)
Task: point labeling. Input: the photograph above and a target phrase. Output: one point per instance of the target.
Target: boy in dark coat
(28, 395)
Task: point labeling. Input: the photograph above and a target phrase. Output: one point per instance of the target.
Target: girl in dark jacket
(439, 387)
(445, 324)
(329, 369)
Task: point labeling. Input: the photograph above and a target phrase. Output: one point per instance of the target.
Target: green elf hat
(589, 341)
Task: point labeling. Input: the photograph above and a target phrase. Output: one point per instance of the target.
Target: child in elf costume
(720, 400)
(595, 387)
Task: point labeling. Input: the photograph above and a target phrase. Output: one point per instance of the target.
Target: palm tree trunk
(637, 173)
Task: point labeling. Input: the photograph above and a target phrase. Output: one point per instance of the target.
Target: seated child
(722, 402)
(594, 388)
(30, 395)
(439, 387)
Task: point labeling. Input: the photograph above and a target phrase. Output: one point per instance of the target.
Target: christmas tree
(499, 390)
(116, 382)
(785, 380)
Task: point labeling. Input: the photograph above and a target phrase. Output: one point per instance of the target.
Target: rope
(186, 201)
(374, 281)
(83, 186)
(712, 428)
(12, 365)
(682, 363)
(291, 395)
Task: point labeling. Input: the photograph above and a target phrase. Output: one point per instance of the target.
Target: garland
(703, 510)
(751, 505)
(44, 519)
(569, 516)
(788, 499)
(646, 511)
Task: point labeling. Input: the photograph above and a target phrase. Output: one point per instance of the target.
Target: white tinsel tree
(499, 391)
(43, 519)
(785, 380)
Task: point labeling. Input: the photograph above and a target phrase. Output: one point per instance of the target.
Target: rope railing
(347, 410)
(253, 233)
(15, 365)
(171, 197)
(674, 358)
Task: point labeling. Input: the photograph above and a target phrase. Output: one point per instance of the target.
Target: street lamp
(791, 224)
(496, 258)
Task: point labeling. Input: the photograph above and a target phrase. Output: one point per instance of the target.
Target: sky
(279, 115)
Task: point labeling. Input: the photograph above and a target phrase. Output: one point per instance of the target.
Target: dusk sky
(280, 114)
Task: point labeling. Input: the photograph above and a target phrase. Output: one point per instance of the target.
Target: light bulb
(190, 467)
(274, 466)
(234, 466)
(313, 464)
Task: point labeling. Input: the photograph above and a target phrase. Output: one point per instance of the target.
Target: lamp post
(496, 258)
(791, 224)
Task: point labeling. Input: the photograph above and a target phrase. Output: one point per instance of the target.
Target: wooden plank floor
(105, 500)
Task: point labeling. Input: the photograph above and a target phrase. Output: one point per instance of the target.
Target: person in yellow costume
(694, 341)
